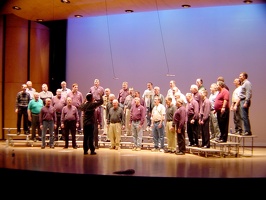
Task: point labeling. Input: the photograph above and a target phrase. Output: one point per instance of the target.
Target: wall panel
(26, 57)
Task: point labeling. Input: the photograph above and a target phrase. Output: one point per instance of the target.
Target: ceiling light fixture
(129, 11)
(65, 1)
(16, 8)
(248, 2)
(186, 6)
(78, 16)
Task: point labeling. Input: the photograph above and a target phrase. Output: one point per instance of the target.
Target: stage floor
(145, 163)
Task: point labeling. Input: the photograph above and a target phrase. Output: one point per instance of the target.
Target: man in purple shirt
(137, 119)
(179, 125)
(58, 102)
(48, 121)
(69, 122)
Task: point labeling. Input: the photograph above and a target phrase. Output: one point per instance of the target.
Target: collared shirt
(58, 104)
(158, 112)
(180, 118)
(137, 113)
(69, 113)
(246, 91)
(97, 92)
(192, 109)
(35, 106)
(116, 115)
(47, 114)
(170, 111)
(77, 98)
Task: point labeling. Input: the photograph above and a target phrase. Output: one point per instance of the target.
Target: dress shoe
(180, 153)
(205, 147)
(52, 147)
(65, 148)
(85, 153)
(93, 153)
(75, 147)
(42, 147)
(26, 133)
(18, 133)
(220, 141)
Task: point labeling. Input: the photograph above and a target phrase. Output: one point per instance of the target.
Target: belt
(169, 120)
(115, 122)
(135, 120)
(35, 113)
(157, 121)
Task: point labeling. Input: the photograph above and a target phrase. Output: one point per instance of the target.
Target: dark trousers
(96, 135)
(88, 139)
(181, 141)
(192, 132)
(58, 125)
(205, 131)
(70, 126)
(35, 124)
(22, 112)
(223, 122)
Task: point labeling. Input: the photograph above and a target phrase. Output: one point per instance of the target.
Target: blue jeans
(48, 125)
(137, 133)
(158, 135)
(245, 116)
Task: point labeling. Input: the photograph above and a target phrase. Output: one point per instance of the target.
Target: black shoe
(52, 147)
(18, 133)
(93, 153)
(26, 133)
(220, 141)
(205, 147)
(246, 133)
(85, 153)
(75, 147)
(195, 145)
(65, 148)
(180, 153)
(34, 140)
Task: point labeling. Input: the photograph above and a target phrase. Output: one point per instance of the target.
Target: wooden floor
(20, 160)
(145, 163)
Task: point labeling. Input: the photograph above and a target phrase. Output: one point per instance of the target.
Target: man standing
(237, 116)
(245, 101)
(77, 100)
(137, 119)
(221, 107)
(88, 108)
(179, 125)
(116, 122)
(48, 121)
(34, 109)
(58, 102)
(22, 101)
(69, 122)
(157, 124)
